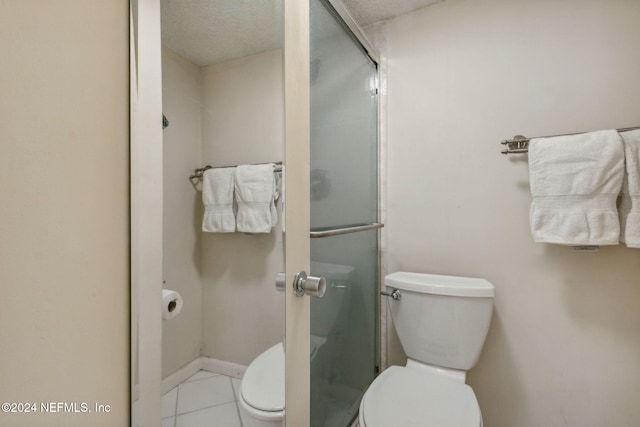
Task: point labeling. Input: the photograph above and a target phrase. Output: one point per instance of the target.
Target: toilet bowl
(261, 395)
(402, 396)
(262, 388)
(442, 322)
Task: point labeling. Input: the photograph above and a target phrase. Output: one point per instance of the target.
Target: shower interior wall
(223, 114)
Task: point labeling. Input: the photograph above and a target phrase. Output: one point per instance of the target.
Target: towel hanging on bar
(574, 185)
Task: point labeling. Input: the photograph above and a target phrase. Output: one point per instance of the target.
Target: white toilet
(442, 322)
(262, 389)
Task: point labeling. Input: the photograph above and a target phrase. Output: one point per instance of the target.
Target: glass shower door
(344, 216)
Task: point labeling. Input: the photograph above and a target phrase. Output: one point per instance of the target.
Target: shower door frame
(355, 29)
(296, 210)
(146, 201)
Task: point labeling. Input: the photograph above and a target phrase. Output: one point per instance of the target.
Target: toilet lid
(263, 382)
(408, 397)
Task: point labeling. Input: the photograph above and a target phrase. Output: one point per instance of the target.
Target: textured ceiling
(367, 12)
(211, 31)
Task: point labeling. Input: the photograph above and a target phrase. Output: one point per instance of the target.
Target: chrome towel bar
(314, 234)
(520, 144)
(197, 173)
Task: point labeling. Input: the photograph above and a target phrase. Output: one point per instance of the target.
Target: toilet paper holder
(172, 306)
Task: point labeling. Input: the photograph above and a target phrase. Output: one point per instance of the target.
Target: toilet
(261, 395)
(442, 323)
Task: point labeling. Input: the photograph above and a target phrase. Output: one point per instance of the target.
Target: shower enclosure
(344, 217)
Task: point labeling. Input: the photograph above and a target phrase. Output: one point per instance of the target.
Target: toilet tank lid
(441, 285)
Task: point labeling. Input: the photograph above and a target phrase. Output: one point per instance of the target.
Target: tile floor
(206, 399)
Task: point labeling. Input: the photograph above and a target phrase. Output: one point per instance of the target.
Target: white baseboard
(201, 363)
(181, 374)
(222, 367)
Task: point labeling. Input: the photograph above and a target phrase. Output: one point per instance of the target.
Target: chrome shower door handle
(310, 285)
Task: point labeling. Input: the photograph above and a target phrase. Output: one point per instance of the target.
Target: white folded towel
(629, 208)
(256, 192)
(575, 181)
(217, 196)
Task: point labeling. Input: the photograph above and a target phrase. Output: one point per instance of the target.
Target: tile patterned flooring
(206, 399)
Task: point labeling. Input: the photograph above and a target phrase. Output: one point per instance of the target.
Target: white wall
(563, 347)
(225, 114)
(64, 191)
(242, 122)
(182, 212)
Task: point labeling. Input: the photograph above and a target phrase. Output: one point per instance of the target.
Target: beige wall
(181, 103)
(225, 114)
(64, 228)
(242, 122)
(563, 348)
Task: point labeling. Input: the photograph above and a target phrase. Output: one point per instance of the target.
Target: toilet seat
(403, 396)
(263, 382)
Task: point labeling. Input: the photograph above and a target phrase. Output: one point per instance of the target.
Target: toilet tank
(441, 320)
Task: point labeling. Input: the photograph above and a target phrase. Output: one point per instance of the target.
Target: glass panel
(343, 326)
(343, 192)
(343, 126)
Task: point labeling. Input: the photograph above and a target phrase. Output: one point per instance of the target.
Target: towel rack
(197, 173)
(347, 229)
(520, 144)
